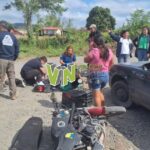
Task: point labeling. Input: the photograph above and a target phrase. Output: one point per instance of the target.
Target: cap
(93, 26)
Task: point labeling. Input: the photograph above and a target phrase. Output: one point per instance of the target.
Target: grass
(54, 46)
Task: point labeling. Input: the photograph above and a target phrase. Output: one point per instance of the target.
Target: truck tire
(120, 94)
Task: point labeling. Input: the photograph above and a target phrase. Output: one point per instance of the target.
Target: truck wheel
(120, 94)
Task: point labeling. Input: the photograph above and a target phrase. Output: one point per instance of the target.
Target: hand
(148, 55)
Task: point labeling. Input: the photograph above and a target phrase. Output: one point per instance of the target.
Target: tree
(32, 7)
(52, 20)
(137, 21)
(102, 18)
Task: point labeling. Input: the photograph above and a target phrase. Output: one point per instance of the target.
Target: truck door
(141, 84)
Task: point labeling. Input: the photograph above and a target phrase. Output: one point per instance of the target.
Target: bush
(107, 37)
(55, 46)
(42, 43)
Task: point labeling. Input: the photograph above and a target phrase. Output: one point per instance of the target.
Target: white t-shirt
(125, 49)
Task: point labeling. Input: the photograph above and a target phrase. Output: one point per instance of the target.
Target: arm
(112, 61)
(61, 60)
(16, 46)
(43, 70)
(148, 52)
(131, 46)
(114, 37)
(88, 57)
(74, 58)
(135, 41)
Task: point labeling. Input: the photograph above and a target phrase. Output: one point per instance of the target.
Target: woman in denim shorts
(100, 59)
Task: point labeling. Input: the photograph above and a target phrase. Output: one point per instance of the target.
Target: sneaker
(23, 83)
(13, 97)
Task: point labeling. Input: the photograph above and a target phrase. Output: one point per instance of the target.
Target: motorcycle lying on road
(80, 128)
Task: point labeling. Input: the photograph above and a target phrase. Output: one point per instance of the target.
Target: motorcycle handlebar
(72, 112)
(106, 111)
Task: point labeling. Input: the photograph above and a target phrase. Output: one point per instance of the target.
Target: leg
(121, 58)
(98, 98)
(145, 58)
(126, 58)
(3, 66)
(98, 81)
(29, 77)
(139, 54)
(11, 76)
(104, 77)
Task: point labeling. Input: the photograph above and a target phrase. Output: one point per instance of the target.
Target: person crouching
(33, 70)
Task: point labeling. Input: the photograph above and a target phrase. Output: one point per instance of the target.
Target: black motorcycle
(80, 128)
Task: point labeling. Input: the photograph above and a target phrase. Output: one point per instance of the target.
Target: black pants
(32, 76)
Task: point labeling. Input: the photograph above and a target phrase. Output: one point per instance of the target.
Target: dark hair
(4, 25)
(66, 52)
(101, 44)
(147, 29)
(43, 58)
(123, 32)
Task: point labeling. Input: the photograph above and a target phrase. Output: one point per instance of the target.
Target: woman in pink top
(100, 59)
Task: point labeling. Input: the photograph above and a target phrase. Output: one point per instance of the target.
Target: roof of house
(51, 28)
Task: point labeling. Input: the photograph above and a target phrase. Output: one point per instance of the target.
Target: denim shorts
(98, 80)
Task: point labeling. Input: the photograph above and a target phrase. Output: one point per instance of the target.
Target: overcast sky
(78, 10)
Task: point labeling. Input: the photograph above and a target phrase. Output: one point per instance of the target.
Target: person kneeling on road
(34, 70)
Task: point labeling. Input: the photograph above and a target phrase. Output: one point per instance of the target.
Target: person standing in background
(93, 33)
(9, 50)
(124, 46)
(142, 44)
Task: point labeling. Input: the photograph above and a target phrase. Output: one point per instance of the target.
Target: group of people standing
(99, 58)
(125, 45)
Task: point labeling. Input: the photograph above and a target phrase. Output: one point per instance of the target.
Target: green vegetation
(136, 22)
(55, 46)
(102, 18)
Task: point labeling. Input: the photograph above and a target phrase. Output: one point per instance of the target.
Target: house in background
(50, 31)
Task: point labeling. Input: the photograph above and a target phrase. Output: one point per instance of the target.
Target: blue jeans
(123, 58)
(98, 80)
(142, 55)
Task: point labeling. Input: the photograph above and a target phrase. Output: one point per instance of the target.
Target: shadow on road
(134, 124)
(46, 103)
(46, 141)
(5, 96)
